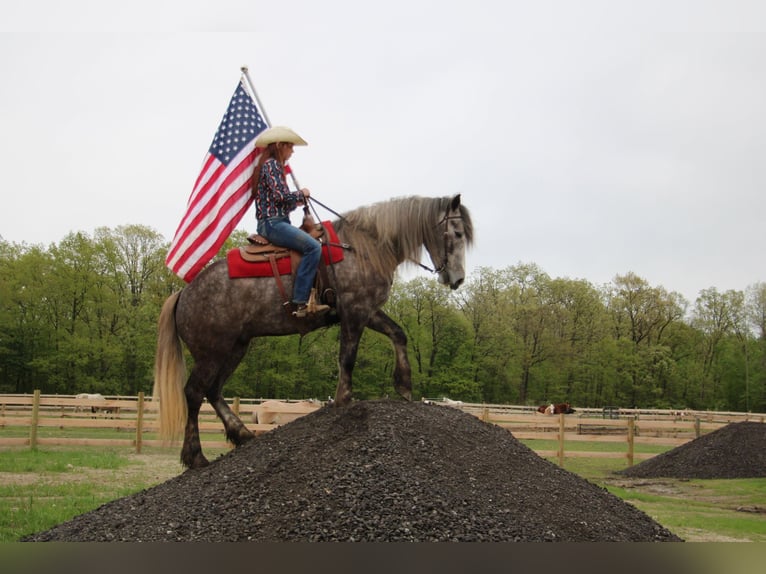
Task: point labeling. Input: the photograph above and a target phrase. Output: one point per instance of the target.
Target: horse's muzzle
(452, 278)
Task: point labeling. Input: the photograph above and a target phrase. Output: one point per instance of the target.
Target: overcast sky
(593, 138)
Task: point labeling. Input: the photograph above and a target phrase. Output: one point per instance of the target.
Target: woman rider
(273, 203)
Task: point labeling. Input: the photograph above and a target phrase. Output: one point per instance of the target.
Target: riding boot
(304, 310)
(311, 308)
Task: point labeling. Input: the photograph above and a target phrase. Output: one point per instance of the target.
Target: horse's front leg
(385, 325)
(350, 334)
(236, 431)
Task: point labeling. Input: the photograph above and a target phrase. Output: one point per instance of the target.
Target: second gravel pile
(737, 450)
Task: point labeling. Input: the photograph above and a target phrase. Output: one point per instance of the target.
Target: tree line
(80, 316)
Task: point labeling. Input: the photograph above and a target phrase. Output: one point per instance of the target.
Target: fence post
(631, 432)
(140, 422)
(697, 427)
(561, 440)
(235, 407)
(35, 420)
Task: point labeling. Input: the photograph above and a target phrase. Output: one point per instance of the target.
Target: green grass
(585, 446)
(49, 460)
(56, 486)
(690, 511)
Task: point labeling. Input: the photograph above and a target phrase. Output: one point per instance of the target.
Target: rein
(319, 203)
(309, 205)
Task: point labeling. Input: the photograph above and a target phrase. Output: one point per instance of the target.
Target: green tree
(641, 315)
(532, 319)
(715, 315)
(132, 259)
(26, 336)
(435, 337)
(756, 382)
(485, 305)
(578, 325)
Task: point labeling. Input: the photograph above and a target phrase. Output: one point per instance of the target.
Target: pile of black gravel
(737, 450)
(373, 471)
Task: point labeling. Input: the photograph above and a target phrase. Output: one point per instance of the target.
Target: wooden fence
(630, 427)
(137, 417)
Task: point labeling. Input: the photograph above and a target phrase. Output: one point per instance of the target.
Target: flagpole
(250, 85)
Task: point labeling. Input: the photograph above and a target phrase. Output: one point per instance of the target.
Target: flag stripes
(221, 195)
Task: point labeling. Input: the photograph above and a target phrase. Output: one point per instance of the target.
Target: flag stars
(240, 125)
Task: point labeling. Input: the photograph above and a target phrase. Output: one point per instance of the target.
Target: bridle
(445, 259)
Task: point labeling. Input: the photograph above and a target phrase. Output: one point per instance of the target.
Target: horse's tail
(170, 374)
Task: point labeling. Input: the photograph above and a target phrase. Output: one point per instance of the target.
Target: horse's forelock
(467, 225)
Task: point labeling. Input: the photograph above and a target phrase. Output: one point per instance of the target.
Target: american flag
(221, 194)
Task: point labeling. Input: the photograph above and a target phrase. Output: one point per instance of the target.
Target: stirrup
(312, 307)
(305, 310)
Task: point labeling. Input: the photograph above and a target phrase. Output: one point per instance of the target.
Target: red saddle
(260, 259)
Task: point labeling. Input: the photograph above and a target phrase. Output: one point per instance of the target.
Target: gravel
(737, 450)
(373, 471)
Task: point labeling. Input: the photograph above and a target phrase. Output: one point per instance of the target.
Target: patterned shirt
(272, 197)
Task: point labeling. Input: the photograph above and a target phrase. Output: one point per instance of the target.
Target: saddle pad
(334, 252)
(238, 267)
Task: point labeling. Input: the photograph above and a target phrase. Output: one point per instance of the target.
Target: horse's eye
(459, 234)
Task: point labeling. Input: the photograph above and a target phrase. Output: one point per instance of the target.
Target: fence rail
(139, 417)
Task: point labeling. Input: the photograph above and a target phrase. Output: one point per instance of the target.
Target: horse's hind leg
(383, 324)
(205, 381)
(236, 431)
(191, 452)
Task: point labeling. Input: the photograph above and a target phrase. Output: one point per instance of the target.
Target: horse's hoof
(198, 461)
(341, 402)
(244, 435)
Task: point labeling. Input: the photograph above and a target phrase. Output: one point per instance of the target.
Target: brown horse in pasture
(216, 316)
(556, 409)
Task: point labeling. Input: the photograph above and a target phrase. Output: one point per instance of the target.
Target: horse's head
(454, 232)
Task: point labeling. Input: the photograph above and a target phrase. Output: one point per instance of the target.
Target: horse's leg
(236, 431)
(205, 381)
(350, 334)
(384, 324)
(191, 452)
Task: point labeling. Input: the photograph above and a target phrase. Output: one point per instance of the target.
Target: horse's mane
(392, 232)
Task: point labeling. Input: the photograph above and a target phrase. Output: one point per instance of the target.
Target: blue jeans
(280, 231)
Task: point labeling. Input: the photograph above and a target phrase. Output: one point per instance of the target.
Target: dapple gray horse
(216, 316)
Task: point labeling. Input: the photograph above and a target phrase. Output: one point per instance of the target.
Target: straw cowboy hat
(278, 134)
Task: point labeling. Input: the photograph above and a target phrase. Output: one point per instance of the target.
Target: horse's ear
(456, 202)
